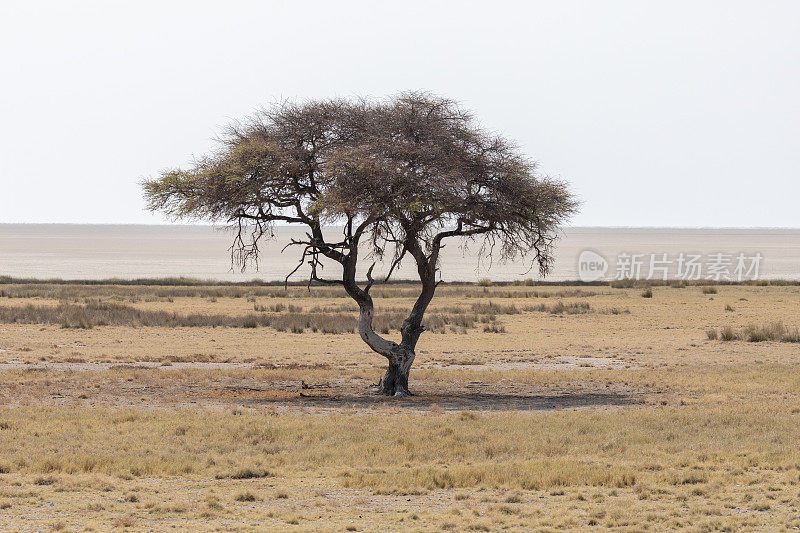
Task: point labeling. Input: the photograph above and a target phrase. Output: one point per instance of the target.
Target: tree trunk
(400, 356)
(395, 381)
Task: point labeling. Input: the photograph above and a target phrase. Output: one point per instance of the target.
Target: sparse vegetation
(280, 317)
(776, 332)
(493, 439)
(562, 308)
(654, 459)
(165, 290)
(216, 439)
(727, 334)
(90, 307)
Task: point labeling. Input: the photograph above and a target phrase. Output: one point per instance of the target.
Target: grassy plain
(143, 407)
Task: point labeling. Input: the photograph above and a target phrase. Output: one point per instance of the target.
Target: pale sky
(659, 114)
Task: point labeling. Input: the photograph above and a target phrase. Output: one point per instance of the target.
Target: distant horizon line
(140, 224)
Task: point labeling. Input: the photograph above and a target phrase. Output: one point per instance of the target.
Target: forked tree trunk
(399, 356)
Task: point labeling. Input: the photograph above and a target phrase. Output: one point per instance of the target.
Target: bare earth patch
(558, 363)
(223, 385)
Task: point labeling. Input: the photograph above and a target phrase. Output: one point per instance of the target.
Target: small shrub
(727, 334)
(792, 335)
(691, 478)
(491, 308)
(647, 293)
(712, 334)
(710, 290)
(123, 522)
(776, 332)
(560, 308)
(248, 473)
(245, 497)
(214, 503)
(770, 332)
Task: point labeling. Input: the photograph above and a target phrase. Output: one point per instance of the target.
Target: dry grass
(278, 316)
(561, 308)
(163, 291)
(635, 463)
(571, 449)
(775, 332)
(576, 417)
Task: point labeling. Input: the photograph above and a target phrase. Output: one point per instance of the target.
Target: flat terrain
(228, 408)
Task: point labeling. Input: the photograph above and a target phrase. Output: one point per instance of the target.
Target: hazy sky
(659, 114)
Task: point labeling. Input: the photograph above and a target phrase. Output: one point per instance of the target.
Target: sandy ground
(668, 329)
(143, 385)
(648, 356)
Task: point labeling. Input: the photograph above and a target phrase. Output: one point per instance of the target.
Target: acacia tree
(401, 176)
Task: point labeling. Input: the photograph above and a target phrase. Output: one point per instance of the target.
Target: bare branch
(370, 281)
(395, 263)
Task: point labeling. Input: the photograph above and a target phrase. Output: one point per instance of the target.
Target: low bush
(85, 316)
(776, 332)
(561, 308)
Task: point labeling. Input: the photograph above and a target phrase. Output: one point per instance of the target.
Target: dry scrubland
(250, 408)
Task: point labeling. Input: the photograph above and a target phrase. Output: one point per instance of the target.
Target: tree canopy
(402, 175)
